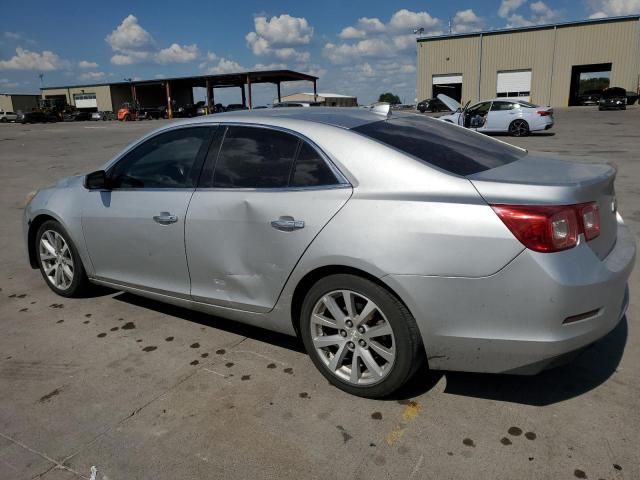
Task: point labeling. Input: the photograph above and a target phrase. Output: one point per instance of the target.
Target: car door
(134, 231)
(264, 196)
(477, 115)
(502, 113)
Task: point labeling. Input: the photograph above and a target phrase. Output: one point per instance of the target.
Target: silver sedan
(385, 241)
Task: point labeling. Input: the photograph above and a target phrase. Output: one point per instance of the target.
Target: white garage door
(446, 79)
(85, 100)
(516, 83)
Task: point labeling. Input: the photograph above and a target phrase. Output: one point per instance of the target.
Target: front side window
(255, 158)
(164, 161)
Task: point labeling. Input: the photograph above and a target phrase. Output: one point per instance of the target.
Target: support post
(134, 96)
(209, 95)
(279, 96)
(315, 91)
(168, 92)
(244, 97)
(249, 85)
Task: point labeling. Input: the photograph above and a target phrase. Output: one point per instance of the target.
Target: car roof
(345, 117)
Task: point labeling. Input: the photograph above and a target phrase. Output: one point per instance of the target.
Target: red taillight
(590, 216)
(545, 113)
(550, 228)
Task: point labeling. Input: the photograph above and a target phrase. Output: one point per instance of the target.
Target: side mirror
(96, 181)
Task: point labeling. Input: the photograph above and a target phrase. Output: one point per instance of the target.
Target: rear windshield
(442, 145)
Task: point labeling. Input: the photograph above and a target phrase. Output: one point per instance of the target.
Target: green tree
(389, 98)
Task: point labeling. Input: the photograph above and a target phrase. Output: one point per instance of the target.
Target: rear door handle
(165, 218)
(287, 224)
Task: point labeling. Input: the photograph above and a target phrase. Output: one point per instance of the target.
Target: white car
(7, 116)
(500, 115)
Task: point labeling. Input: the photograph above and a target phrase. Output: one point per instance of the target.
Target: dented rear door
(236, 257)
(243, 236)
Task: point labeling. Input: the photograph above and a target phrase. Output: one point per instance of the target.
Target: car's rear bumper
(514, 321)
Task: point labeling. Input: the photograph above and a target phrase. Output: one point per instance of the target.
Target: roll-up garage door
(85, 100)
(446, 79)
(516, 83)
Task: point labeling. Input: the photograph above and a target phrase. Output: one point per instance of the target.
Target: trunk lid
(542, 180)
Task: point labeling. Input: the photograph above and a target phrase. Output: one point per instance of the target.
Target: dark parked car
(235, 106)
(189, 110)
(432, 105)
(613, 98)
(590, 97)
(631, 97)
(37, 117)
(76, 116)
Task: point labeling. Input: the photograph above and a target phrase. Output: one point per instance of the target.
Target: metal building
(107, 97)
(548, 64)
(18, 102)
(326, 99)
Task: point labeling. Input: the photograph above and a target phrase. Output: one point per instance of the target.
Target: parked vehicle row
(622, 98)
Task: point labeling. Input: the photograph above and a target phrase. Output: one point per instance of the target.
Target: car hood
(452, 104)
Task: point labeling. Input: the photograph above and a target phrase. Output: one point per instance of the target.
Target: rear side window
(255, 158)
(437, 143)
(310, 169)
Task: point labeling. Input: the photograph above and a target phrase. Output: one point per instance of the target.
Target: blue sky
(361, 48)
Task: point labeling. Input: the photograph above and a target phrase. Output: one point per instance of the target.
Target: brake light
(590, 214)
(545, 113)
(550, 228)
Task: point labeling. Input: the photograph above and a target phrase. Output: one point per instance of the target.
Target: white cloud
(278, 36)
(509, 6)
(131, 43)
(270, 66)
(87, 64)
(26, 60)
(350, 33)
(225, 66)
(540, 13)
(613, 8)
(178, 54)
(467, 21)
(405, 21)
(92, 76)
(12, 35)
(129, 35)
(375, 39)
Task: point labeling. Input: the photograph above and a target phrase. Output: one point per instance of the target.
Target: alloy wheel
(519, 128)
(352, 337)
(56, 259)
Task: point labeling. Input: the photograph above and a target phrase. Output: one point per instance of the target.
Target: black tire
(79, 284)
(3, 119)
(409, 354)
(519, 128)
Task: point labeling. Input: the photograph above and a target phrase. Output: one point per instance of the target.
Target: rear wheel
(3, 119)
(360, 336)
(59, 261)
(519, 128)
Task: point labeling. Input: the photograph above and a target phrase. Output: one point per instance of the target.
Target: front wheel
(360, 336)
(59, 261)
(519, 128)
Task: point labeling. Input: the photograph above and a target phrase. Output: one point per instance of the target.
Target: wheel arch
(34, 225)
(306, 282)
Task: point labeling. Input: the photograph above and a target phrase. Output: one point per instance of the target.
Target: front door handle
(287, 224)
(165, 218)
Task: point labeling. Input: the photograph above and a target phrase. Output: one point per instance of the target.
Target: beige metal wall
(103, 94)
(550, 53)
(5, 103)
(452, 56)
(617, 43)
(531, 50)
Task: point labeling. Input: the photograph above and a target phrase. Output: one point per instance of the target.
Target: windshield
(442, 145)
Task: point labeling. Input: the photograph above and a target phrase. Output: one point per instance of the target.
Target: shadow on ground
(589, 370)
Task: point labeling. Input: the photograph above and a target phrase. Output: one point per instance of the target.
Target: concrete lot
(145, 391)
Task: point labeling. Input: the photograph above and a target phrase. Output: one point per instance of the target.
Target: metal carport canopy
(226, 80)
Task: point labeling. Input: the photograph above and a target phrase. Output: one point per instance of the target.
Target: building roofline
(237, 78)
(546, 26)
(20, 94)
